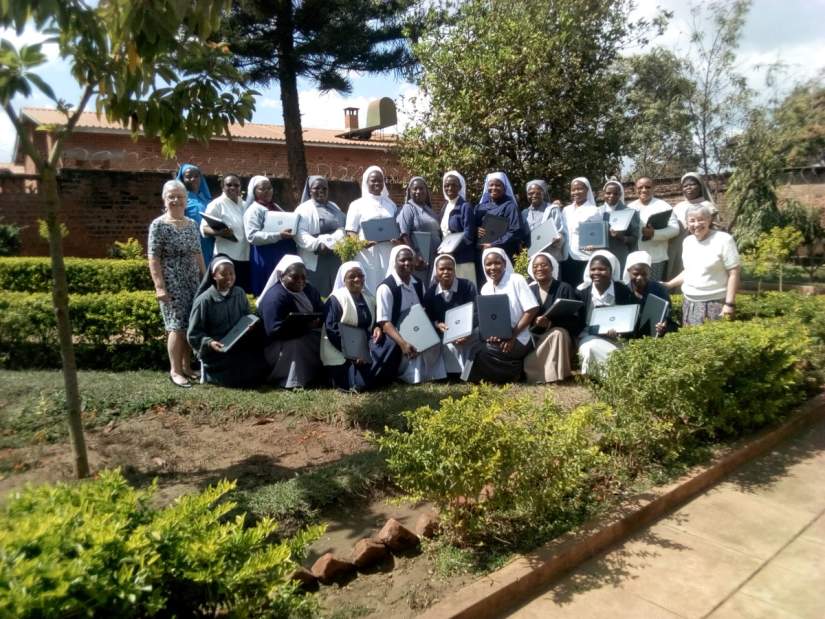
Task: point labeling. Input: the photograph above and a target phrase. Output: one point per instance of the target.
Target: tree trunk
(287, 76)
(60, 299)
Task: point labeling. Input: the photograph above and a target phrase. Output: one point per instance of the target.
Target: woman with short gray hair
(710, 276)
(176, 265)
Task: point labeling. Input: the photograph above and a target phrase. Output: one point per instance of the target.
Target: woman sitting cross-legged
(638, 276)
(502, 360)
(218, 306)
(601, 288)
(293, 339)
(446, 292)
(397, 294)
(550, 360)
(350, 304)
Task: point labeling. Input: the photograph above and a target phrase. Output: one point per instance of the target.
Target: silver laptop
(355, 343)
(620, 220)
(459, 321)
(451, 243)
(619, 318)
(241, 328)
(278, 221)
(380, 229)
(593, 232)
(542, 236)
(417, 329)
(654, 311)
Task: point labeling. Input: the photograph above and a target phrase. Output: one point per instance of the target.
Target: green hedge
(84, 275)
(102, 549)
(722, 379)
(116, 331)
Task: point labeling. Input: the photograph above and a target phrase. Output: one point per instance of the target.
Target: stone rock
(397, 537)
(367, 552)
(427, 525)
(305, 577)
(328, 569)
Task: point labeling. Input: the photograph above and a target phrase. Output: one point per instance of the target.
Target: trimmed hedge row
(84, 275)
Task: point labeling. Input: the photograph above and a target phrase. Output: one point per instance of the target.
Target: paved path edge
(494, 594)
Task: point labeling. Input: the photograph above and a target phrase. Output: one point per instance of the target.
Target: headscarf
(308, 184)
(203, 192)
(621, 190)
(393, 255)
(508, 266)
(428, 201)
(342, 273)
(463, 191)
(702, 184)
(365, 192)
(591, 199)
(542, 185)
(615, 268)
(553, 263)
(634, 258)
(250, 189)
(283, 264)
(508, 188)
(448, 208)
(434, 277)
(208, 279)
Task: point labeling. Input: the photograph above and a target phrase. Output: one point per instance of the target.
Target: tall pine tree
(278, 41)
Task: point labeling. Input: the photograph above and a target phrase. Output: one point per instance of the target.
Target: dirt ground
(187, 454)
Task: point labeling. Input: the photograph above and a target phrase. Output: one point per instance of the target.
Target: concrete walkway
(753, 547)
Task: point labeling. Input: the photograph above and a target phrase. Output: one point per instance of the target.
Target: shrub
(520, 262)
(131, 249)
(718, 380)
(84, 275)
(113, 331)
(493, 464)
(348, 247)
(10, 243)
(100, 549)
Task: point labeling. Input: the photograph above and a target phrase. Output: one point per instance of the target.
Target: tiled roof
(249, 131)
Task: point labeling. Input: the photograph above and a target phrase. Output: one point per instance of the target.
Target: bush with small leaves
(100, 549)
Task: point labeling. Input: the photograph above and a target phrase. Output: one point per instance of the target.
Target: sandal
(184, 385)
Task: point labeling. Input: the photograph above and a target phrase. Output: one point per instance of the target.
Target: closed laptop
(380, 229)
(494, 316)
(459, 321)
(416, 328)
(355, 343)
(618, 318)
(542, 236)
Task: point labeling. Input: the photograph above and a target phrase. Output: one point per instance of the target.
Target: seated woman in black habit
(551, 358)
(351, 304)
(218, 306)
(293, 339)
(638, 276)
(446, 292)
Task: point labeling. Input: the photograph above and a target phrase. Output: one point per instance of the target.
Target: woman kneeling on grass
(351, 305)
(218, 307)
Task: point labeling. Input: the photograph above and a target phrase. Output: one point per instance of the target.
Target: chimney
(350, 118)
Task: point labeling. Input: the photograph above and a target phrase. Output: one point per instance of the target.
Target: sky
(789, 31)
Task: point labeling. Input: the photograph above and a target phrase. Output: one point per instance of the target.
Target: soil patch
(187, 453)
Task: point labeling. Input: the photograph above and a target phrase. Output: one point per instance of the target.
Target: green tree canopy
(656, 100)
(800, 120)
(146, 65)
(320, 40)
(530, 88)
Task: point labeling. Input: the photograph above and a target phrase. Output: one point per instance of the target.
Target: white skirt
(594, 349)
(428, 365)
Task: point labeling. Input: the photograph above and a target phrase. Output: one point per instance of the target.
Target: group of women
(307, 301)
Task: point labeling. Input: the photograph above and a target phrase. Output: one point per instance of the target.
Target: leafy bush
(84, 275)
(10, 243)
(718, 380)
(100, 549)
(131, 249)
(520, 262)
(114, 331)
(348, 247)
(495, 465)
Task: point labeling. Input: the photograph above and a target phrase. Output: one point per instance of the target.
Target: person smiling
(710, 278)
(498, 199)
(396, 294)
(220, 304)
(458, 216)
(619, 242)
(695, 191)
(231, 241)
(637, 276)
(417, 216)
(582, 208)
(654, 241)
(352, 305)
(539, 210)
(446, 292)
(502, 360)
